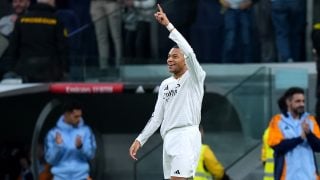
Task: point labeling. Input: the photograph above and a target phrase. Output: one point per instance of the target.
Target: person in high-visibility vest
(267, 157)
(315, 36)
(209, 167)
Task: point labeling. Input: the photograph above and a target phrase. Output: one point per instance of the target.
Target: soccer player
(178, 109)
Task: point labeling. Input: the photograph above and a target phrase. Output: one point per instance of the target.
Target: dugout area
(116, 118)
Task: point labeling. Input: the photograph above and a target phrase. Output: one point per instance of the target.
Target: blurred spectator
(9, 160)
(25, 164)
(70, 145)
(208, 23)
(38, 49)
(208, 166)
(267, 157)
(107, 18)
(265, 31)
(72, 23)
(315, 36)
(81, 8)
(88, 45)
(141, 31)
(7, 22)
(237, 19)
(294, 139)
(7, 26)
(289, 21)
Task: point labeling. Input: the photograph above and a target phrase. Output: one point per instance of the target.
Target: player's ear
(184, 56)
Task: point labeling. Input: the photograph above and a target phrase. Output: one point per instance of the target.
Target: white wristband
(170, 27)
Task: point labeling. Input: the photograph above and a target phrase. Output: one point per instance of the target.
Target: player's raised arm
(193, 65)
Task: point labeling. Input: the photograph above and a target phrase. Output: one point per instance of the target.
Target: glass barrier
(251, 99)
(239, 118)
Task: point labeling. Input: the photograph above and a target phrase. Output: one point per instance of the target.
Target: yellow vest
(201, 172)
(267, 156)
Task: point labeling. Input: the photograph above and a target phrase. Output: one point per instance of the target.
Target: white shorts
(181, 150)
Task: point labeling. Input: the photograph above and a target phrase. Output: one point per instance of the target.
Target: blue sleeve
(314, 142)
(53, 151)
(287, 145)
(89, 145)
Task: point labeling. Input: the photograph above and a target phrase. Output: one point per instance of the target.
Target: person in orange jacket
(294, 136)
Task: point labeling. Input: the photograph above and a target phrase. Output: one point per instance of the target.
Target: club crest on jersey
(170, 92)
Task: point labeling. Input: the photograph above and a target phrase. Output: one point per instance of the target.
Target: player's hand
(134, 149)
(303, 135)
(305, 127)
(78, 142)
(58, 138)
(13, 18)
(161, 17)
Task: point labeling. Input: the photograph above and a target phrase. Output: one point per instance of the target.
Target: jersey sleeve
(155, 120)
(196, 71)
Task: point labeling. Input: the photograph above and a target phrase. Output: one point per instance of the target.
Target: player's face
(296, 104)
(176, 61)
(19, 6)
(74, 117)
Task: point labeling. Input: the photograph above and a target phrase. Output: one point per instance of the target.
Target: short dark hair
(70, 105)
(282, 104)
(293, 90)
(175, 46)
(315, 36)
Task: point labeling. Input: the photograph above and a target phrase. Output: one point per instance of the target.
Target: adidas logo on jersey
(177, 172)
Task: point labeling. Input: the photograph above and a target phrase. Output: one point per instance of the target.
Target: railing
(251, 99)
(244, 81)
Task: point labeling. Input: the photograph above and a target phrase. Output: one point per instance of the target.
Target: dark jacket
(38, 48)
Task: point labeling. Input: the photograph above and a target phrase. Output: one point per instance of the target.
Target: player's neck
(179, 74)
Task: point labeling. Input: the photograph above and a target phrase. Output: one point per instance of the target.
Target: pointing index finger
(160, 8)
